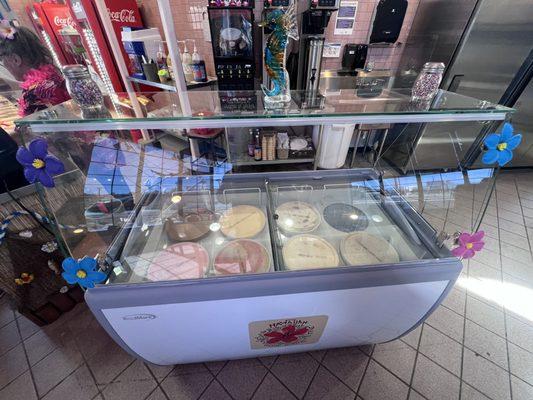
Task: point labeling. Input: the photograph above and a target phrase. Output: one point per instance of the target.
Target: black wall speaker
(388, 21)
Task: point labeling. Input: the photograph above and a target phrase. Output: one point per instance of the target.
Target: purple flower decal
(469, 244)
(500, 147)
(38, 164)
(83, 272)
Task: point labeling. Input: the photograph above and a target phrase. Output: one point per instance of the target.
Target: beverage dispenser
(313, 24)
(231, 23)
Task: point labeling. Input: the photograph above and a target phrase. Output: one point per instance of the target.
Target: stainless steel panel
(435, 33)
(523, 123)
(499, 41)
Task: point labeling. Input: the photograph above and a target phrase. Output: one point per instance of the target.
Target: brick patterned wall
(187, 16)
(383, 57)
(188, 13)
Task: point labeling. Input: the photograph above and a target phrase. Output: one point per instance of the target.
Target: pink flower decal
(7, 31)
(288, 334)
(469, 244)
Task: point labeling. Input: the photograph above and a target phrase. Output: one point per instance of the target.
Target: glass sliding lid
(212, 108)
(331, 219)
(197, 227)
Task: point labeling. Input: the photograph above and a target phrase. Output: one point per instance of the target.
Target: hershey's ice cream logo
(62, 21)
(123, 15)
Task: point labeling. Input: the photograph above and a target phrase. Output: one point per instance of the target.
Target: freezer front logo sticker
(286, 332)
(136, 317)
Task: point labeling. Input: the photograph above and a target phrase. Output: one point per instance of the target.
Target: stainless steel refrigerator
(487, 46)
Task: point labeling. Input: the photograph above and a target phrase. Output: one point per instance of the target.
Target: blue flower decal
(38, 164)
(84, 272)
(500, 147)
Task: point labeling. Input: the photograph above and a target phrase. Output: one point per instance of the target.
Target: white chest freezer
(247, 265)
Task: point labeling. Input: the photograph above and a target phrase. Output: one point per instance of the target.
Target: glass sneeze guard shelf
(161, 110)
(169, 85)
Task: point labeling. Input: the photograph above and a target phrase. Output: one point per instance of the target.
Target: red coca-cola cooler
(50, 20)
(89, 26)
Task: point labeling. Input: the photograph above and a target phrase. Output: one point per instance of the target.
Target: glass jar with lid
(81, 86)
(428, 81)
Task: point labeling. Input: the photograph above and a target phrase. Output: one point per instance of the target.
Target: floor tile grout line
(216, 380)
(61, 381)
(14, 379)
(311, 381)
(104, 386)
(480, 355)
(463, 347)
(390, 372)
(524, 219)
(517, 234)
(479, 325)
(263, 364)
(459, 343)
(223, 387)
(6, 304)
(86, 364)
(153, 390)
(522, 379)
(335, 375)
(98, 395)
(158, 384)
(262, 380)
(418, 393)
(27, 358)
(505, 312)
(286, 387)
(163, 378)
(482, 300)
(461, 366)
(207, 386)
(16, 344)
(42, 358)
(226, 363)
(161, 384)
(417, 350)
(365, 371)
(505, 309)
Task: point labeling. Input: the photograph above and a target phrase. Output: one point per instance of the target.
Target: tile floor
(477, 345)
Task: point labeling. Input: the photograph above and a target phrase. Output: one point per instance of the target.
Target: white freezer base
(178, 333)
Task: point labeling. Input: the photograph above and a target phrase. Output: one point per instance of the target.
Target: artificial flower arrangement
(84, 272)
(498, 150)
(500, 146)
(39, 166)
(469, 245)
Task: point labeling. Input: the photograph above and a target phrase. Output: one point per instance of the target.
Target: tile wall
(188, 16)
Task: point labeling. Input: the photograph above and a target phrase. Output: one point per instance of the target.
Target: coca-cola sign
(123, 15)
(63, 21)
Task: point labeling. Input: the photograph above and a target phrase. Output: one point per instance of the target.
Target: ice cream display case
(231, 265)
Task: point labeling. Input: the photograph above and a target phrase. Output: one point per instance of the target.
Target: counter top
(243, 109)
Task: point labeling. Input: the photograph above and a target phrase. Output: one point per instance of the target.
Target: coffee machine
(231, 23)
(313, 23)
